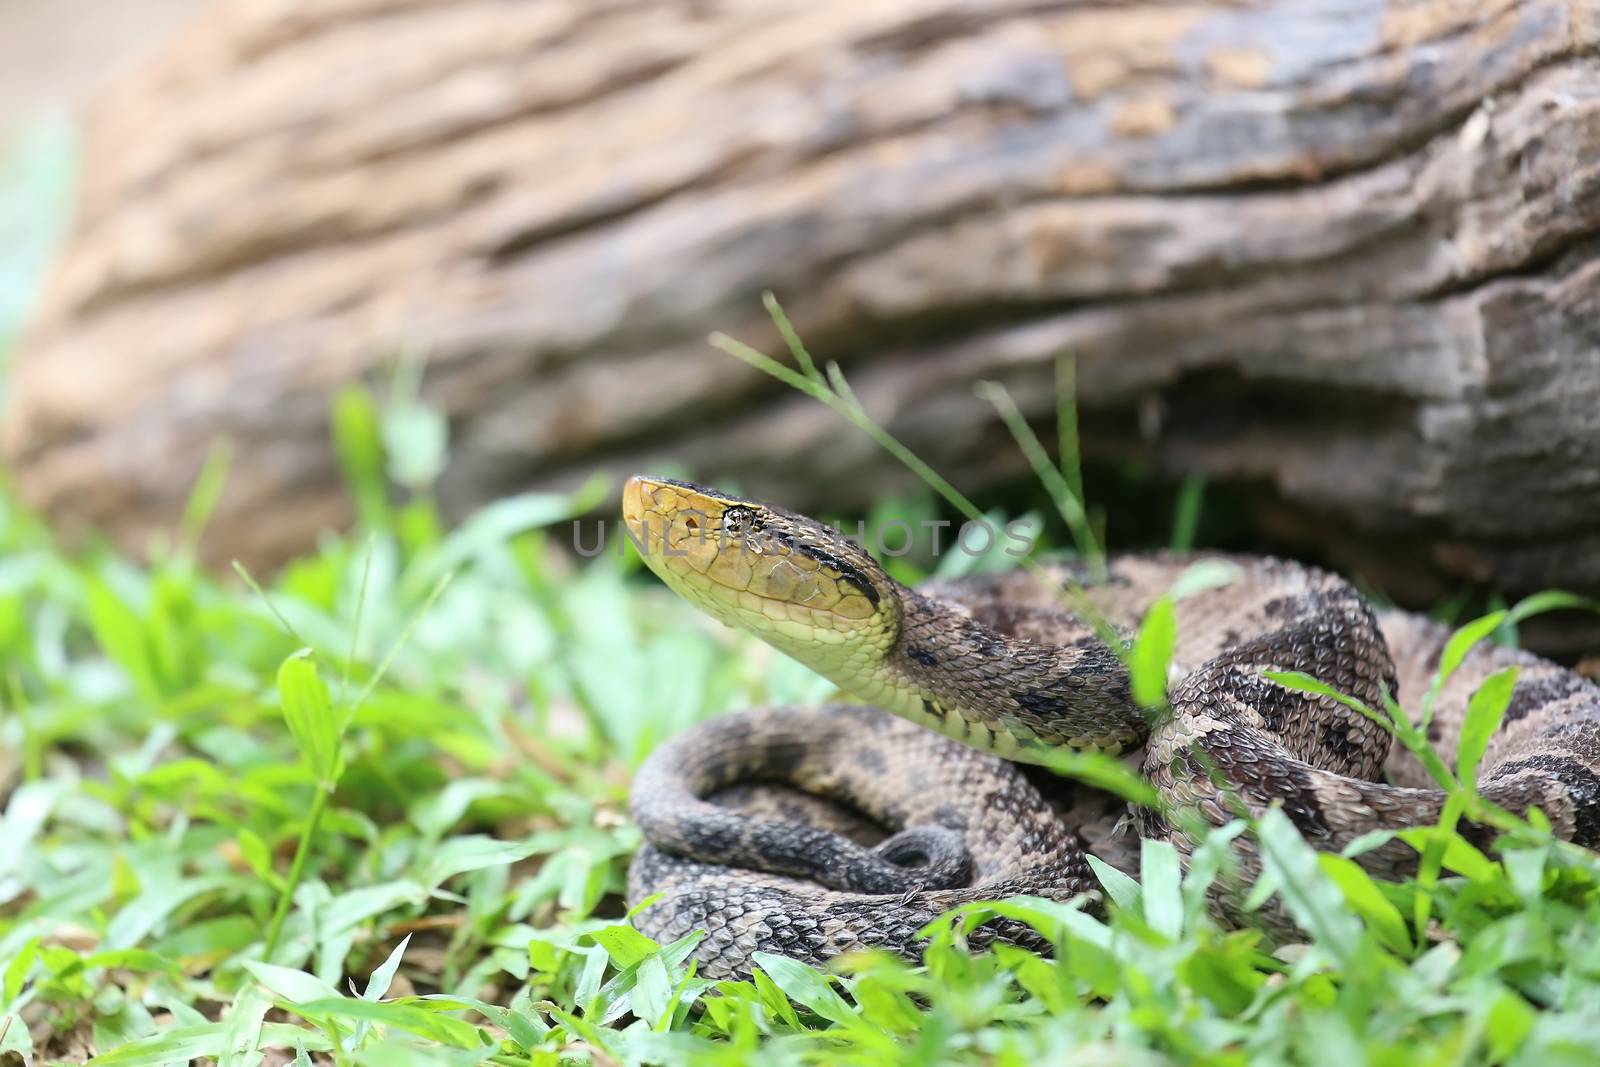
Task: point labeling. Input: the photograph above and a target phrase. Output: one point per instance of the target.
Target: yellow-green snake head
(798, 585)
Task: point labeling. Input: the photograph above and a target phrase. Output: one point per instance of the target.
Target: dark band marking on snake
(760, 826)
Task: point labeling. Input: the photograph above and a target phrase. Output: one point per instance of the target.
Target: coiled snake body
(765, 828)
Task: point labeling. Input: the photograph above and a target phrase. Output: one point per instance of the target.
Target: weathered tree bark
(1344, 252)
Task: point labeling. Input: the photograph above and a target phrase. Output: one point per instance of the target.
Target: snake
(813, 832)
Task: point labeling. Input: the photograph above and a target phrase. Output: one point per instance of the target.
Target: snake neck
(1003, 694)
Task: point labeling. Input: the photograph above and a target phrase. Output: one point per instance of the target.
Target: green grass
(371, 810)
(206, 820)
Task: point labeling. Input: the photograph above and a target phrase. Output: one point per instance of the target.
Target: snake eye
(737, 521)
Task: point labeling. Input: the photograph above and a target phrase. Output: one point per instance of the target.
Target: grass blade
(1151, 661)
(1485, 711)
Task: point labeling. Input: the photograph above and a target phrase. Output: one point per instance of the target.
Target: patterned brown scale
(999, 664)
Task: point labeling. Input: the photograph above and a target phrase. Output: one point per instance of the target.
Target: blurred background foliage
(38, 162)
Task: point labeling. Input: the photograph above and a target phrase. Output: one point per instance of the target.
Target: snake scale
(811, 832)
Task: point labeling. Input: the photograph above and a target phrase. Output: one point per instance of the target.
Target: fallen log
(1341, 256)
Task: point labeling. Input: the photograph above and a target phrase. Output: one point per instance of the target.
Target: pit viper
(815, 831)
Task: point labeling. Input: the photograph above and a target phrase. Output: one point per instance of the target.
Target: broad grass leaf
(1312, 898)
(472, 852)
(1151, 657)
(1368, 841)
(623, 944)
(308, 711)
(15, 1039)
(358, 442)
(121, 633)
(131, 959)
(601, 1040)
(806, 986)
(287, 983)
(1162, 880)
(17, 969)
(1214, 856)
(244, 1020)
(402, 1014)
(880, 980)
(415, 440)
(575, 878)
(156, 900)
(1123, 891)
(257, 855)
(1462, 641)
(1485, 711)
(1203, 576)
(1456, 853)
(1511, 942)
(1224, 973)
(525, 1027)
(616, 993)
(351, 908)
(1103, 772)
(651, 999)
(587, 876)
(383, 977)
(209, 938)
(775, 1002)
(1368, 901)
(1525, 871)
(587, 989)
(179, 1044)
(1054, 920)
(1432, 842)
(434, 814)
(26, 813)
(13, 627)
(1507, 1024)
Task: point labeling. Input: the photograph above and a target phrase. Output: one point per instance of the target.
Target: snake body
(766, 828)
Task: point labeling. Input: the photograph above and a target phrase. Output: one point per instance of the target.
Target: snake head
(799, 585)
